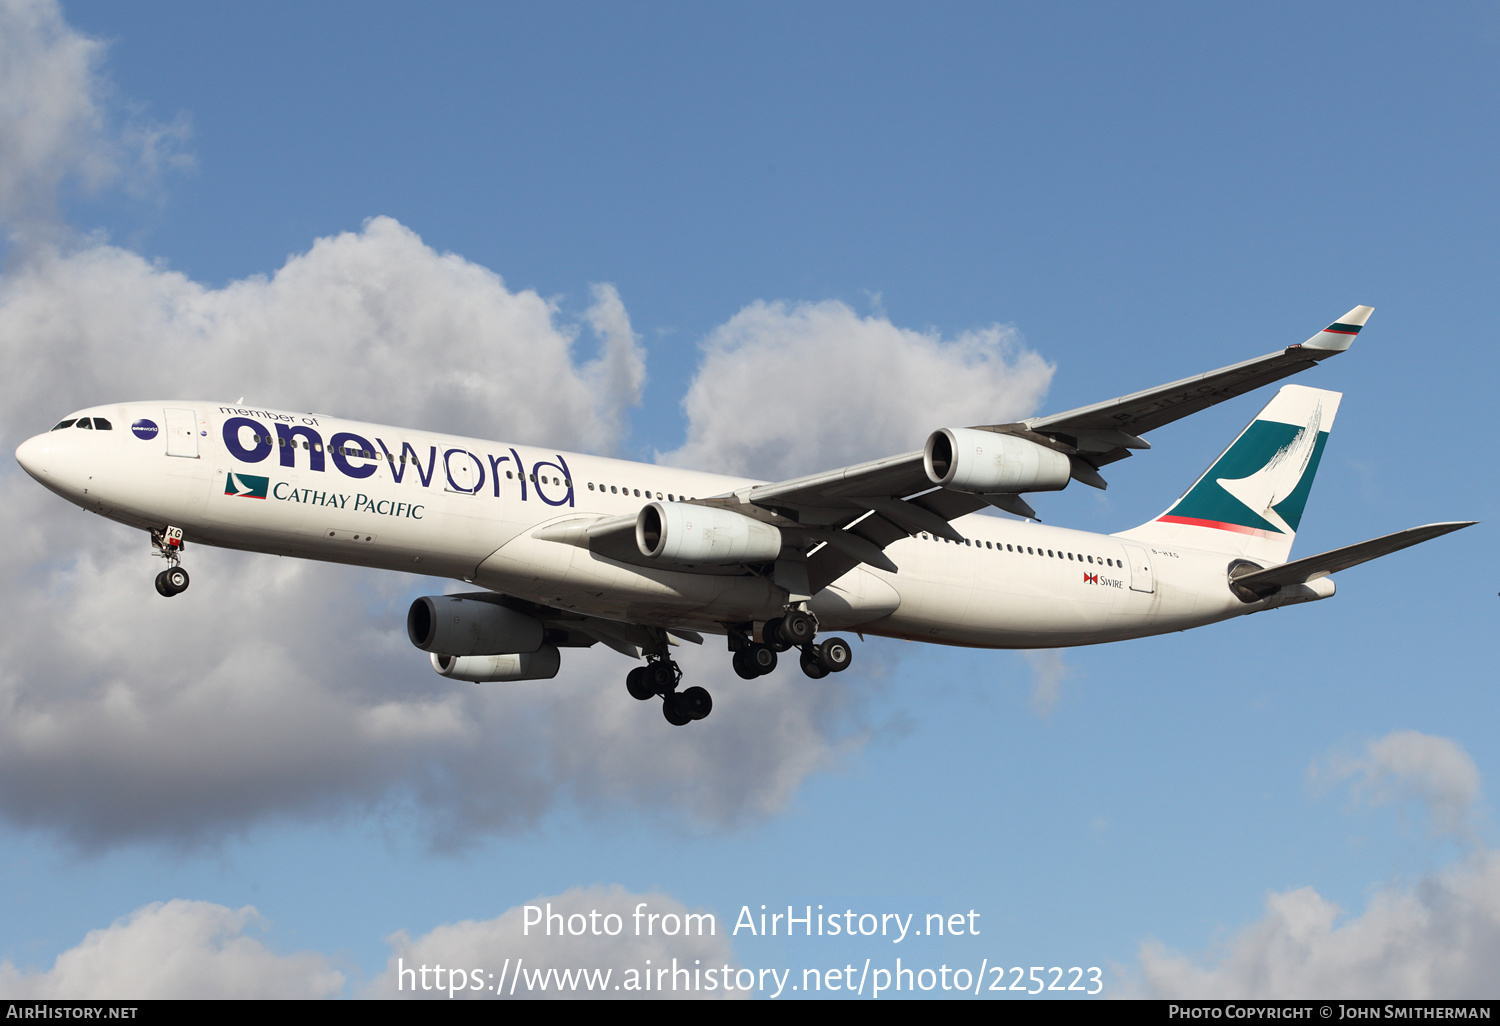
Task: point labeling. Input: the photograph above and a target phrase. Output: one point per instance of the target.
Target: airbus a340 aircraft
(573, 550)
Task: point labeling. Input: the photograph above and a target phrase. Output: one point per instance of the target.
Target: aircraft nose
(32, 455)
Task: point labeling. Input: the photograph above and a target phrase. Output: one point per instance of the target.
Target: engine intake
(969, 460)
(482, 669)
(685, 533)
(449, 625)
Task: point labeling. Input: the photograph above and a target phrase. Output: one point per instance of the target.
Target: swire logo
(247, 486)
(1090, 578)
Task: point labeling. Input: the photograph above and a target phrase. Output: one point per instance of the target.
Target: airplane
(567, 550)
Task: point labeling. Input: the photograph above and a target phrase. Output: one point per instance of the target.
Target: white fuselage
(465, 508)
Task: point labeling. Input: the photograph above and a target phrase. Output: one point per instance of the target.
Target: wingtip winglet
(1338, 335)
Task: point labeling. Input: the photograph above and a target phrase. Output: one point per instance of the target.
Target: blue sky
(1127, 196)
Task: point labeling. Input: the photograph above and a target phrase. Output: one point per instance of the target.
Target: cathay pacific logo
(1260, 485)
(247, 486)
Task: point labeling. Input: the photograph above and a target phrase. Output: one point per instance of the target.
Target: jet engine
(686, 533)
(450, 625)
(539, 665)
(969, 460)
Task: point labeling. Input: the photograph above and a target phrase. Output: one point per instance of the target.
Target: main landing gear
(169, 545)
(795, 629)
(660, 676)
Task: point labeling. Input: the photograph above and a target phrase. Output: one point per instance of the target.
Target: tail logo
(1280, 477)
(1260, 486)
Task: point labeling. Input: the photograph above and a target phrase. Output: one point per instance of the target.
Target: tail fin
(1250, 501)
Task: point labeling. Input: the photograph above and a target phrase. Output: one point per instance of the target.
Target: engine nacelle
(482, 669)
(968, 460)
(686, 533)
(449, 625)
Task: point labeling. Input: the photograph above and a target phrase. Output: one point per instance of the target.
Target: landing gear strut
(168, 544)
(833, 656)
(660, 676)
(796, 628)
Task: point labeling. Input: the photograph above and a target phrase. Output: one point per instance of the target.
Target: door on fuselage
(182, 432)
(1141, 577)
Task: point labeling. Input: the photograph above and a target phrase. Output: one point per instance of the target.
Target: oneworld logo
(144, 429)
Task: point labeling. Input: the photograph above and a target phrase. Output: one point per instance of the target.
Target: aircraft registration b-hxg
(574, 550)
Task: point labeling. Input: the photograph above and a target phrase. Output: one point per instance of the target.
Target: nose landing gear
(171, 582)
(168, 544)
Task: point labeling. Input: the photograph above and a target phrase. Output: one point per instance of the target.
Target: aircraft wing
(1105, 432)
(567, 629)
(872, 504)
(848, 516)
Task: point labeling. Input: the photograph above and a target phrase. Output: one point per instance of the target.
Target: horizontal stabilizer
(1310, 568)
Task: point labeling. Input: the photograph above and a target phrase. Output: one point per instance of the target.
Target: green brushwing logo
(1267, 473)
(247, 486)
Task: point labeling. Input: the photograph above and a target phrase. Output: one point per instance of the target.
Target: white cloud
(1439, 938)
(275, 687)
(784, 390)
(55, 125)
(371, 324)
(176, 949)
(1048, 671)
(1436, 938)
(498, 955)
(1408, 765)
(196, 949)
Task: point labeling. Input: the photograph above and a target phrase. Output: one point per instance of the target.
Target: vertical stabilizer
(1250, 502)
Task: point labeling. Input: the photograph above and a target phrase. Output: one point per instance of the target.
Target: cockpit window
(83, 422)
(66, 423)
(100, 424)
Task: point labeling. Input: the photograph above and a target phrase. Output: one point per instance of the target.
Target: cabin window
(591, 486)
(612, 489)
